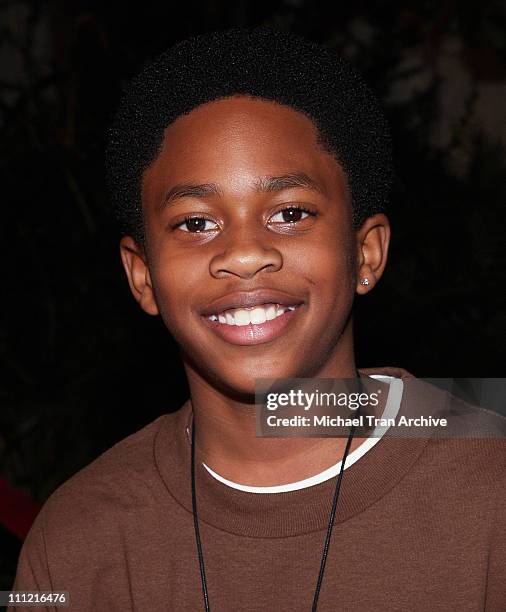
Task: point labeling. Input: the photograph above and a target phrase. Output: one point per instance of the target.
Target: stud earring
(364, 281)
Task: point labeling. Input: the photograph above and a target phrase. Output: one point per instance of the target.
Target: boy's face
(270, 223)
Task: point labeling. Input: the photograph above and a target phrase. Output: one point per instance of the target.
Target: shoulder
(471, 421)
(79, 526)
(128, 461)
(86, 522)
(470, 452)
(463, 458)
(96, 499)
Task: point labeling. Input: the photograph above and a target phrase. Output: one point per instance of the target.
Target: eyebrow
(189, 190)
(268, 184)
(264, 184)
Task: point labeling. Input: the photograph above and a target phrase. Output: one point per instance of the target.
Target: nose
(244, 256)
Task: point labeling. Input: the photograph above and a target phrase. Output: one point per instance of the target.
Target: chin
(236, 375)
(244, 383)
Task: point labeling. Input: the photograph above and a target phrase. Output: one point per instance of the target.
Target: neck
(226, 436)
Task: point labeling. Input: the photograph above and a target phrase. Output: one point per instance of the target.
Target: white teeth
(242, 317)
(270, 312)
(256, 315)
(229, 318)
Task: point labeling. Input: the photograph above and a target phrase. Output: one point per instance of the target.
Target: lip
(253, 333)
(249, 299)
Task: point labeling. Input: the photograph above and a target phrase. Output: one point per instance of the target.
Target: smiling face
(250, 255)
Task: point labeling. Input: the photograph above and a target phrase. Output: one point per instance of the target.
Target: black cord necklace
(327, 537)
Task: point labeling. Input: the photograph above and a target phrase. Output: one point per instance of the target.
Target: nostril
(246, 265)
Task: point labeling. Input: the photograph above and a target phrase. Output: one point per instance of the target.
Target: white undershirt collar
(392, 406)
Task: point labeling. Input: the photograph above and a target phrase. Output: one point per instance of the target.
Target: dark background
(81, 365)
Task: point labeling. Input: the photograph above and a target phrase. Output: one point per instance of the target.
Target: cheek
(328, 263)
(175, 280)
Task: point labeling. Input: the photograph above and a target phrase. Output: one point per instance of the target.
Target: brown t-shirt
(420, 526)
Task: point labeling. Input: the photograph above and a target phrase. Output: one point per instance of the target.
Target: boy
(250, 172)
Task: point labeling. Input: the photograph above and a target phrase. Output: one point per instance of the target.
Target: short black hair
(261, 63)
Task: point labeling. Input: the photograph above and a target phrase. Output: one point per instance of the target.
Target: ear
(137, 271)
(373, 239)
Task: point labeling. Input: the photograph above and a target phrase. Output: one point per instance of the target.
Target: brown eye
(197, 224)
(291, 214)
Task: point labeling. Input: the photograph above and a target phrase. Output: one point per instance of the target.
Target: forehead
(236, 140)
